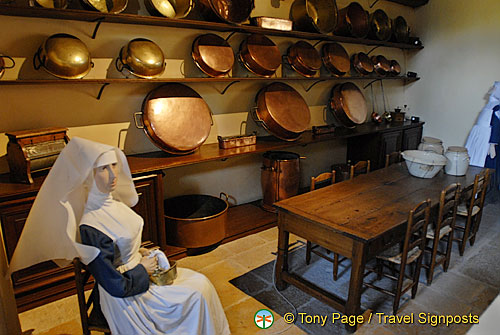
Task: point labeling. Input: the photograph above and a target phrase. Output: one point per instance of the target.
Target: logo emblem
(264, 319)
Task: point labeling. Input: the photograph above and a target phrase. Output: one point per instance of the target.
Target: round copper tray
(335, 58)
(282, 111)
(304, 58)
(348, 104)
(260, 55)
(380, 26)
(176, 118)
(232, 11)
(362, 63)
(213, 55)
(381, 65)
(353, 21)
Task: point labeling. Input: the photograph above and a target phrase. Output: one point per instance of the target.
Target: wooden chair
(413, 251)
(471, 209)
(359, 168)
(94, 321)
(445, 224)
(392, 158)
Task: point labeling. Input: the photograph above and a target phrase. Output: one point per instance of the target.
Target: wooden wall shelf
(411, 3)
(89, 16)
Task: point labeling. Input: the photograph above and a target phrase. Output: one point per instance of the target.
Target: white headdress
(51, 229)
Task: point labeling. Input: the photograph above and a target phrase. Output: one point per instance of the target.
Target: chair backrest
(322, 177)
(359, 168)
(418, 219)
(94, 321)
(392, 158)
(448, 202)
(475, 194)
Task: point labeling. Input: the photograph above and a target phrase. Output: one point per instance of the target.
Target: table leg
(353, 305)
(282, 259)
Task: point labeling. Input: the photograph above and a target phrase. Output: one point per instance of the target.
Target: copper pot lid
(335, 58)
(380, 25)
(353, 21)
(353, 103)
(232, 11)
(260, 55)
(176, 118)
(362, 63)
(213, 55)
(395, 68)
(381, 64)
(401, 30)
(286, 107)
(304, 58)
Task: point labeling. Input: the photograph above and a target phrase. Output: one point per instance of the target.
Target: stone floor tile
(458, 286)
(244, 244)
(270, 234)
(484, 266)
(198, 262)
(257, 256)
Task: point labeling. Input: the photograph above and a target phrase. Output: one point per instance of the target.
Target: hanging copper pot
(282, 111)
(175, 118)
(381, 65)
(213, 55)
(304, 58)
(380, 26)
(335, 58)
(314, 15)
(348, 105)
(353, 21)
(395, 68)
(260, 55)
(231, 11)
(362, 63)
(400, 30)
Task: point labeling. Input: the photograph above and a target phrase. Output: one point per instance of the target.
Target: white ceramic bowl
(423, 164)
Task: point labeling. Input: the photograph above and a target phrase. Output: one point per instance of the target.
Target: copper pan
(282, 111)
(304, 58)
(348, 105)
(395, 68)
(400, 30)
(362, 63)
(380, 26)
(335, 58)
(175, 118)
(213, 55)
(381, 65)
(353, 21)
(177, 9)
(231, 11)
(260, 55)
(314, 15)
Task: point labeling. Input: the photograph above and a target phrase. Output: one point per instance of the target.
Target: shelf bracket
(101, 90)
(99, 20)
(315, 44)
(373, 4)
(229, 85)
(230, 35)
(371, 82)
(314, 84)
(369, 52)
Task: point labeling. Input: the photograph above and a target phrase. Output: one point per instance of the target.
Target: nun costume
(108, 241)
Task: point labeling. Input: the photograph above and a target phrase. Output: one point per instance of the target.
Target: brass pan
(381, 65)
(362, 63)
(106, 6)
(59, 4)
(348, 105)
(173, 9)
(260, 55)
(380, 26)
(335, 58)
(282, 111)
(175, 118)
(304, 58)
(353, 21)
(142, 57)
(400, 30)
(314, 15)
(231, 11)
(213, 55)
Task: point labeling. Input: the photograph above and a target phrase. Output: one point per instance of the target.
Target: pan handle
(255, 117)
(9, 58)
(135, 120)
(119, 65)
(36, 57)
(224, 194)
(211, 118)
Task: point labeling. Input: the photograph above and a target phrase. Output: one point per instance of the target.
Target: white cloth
(59, 205)
(189, 306)
(161, 258)
(479, 137)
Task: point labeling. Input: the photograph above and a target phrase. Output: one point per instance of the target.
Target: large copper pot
(282, 111)
(213, 55)
(380, 26)
(195, 221)
(353, 21)
(335, 58)
(348, 105)
(260, 55)
(314, 15)
(280, 177)
(231, 11)
(175, 118)
(304, 58)
(362, 63)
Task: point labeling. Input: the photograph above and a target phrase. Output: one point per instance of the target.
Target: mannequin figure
(90, 187)
(492, 159)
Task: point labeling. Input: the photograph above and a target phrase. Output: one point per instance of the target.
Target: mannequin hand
(492, 151)
(144, 251)
(149, 263)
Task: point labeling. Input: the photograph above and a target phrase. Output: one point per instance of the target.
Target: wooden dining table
(358, 219)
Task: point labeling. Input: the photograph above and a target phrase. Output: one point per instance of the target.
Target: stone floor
(241, 271)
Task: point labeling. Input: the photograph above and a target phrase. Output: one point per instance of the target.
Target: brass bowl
(142, 57)
(164, 277)
(59, 4)
(103, 6)
(63, 56)
(173, 9)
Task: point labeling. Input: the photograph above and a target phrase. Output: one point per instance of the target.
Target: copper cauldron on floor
(280, 177)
